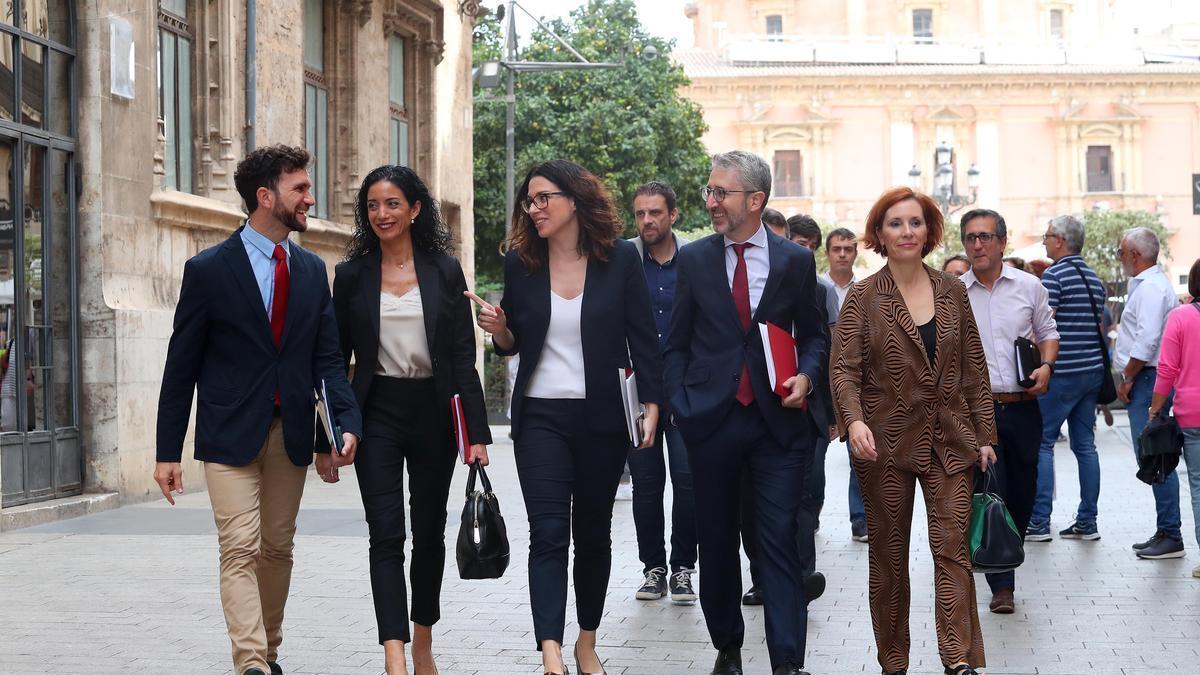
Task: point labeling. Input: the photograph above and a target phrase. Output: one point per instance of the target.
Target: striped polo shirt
(1079, 348)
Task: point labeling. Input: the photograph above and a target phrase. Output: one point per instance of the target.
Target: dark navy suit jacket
(707, 347)
(615, 313)
(222, 348)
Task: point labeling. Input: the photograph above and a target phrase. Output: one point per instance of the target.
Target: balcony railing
(753, 49)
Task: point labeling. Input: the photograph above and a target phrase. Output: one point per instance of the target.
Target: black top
(928, 333)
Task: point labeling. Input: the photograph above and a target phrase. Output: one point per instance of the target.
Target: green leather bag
(996, 544)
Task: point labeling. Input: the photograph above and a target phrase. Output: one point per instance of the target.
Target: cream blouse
(403, 347)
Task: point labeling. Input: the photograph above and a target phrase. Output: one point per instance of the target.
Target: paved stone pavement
(135, 590)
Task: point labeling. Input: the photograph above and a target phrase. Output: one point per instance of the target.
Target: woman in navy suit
(576, 309)
(401, 313)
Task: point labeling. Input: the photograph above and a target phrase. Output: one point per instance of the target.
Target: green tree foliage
(1102, 232)
(627, 125)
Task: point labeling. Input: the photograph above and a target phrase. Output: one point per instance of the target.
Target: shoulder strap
(1196, 304)
(1087, 287)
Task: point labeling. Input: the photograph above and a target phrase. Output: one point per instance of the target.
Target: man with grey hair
(1077, 297)
(732, 417)
(1149, 300)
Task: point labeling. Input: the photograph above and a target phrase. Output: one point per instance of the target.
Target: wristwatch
(1049, 364)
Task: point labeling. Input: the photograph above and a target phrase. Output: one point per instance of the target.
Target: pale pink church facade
(1059, 106)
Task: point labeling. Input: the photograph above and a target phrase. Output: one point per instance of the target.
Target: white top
(559, 372)
(842, 291)
(1017, 305)
(1149, 301)
(403, 345)
(758, 264)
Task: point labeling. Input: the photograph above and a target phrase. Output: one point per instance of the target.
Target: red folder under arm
(780, 349)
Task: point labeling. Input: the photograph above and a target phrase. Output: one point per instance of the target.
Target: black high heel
(581, 671)
(961, 669)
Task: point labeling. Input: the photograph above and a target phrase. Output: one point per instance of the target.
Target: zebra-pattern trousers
(887, 492)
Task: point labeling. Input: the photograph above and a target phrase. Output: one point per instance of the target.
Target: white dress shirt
(1017, 305)
(842, 291)
(1150, 299)
(758, 264)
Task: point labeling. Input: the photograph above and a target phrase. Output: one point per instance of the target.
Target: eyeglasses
(985, 237)
(718, 193)
(540, 200)
(1050, 236)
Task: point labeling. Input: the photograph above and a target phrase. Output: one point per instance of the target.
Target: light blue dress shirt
(259, 250)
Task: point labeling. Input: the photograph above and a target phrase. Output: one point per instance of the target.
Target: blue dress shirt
(260, 249)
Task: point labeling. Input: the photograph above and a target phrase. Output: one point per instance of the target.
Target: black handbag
(1159, 448)
(482, 549)
(1108, 387)
(995, 543)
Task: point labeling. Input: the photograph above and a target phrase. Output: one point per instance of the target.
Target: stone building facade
(1060, 106)
(131, 118)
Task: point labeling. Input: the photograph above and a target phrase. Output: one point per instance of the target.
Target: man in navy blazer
(254, 334)
(718, 389)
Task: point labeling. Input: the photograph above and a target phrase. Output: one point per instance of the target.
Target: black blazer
(615, 312)
(449, 330)
(707, 346)
(820, 404)
(222, 347)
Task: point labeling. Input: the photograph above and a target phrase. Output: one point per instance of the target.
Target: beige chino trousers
(255, 508)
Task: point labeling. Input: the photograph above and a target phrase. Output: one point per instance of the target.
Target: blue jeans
(1166, 494)
(1191, 455)
(1072, 397)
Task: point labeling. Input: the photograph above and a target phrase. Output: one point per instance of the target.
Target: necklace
(401, 265)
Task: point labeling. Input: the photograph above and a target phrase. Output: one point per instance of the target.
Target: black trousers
(649, 474)
(775, 472)
(400, 425)
(808, 518)
(1019, 426)
(569, 478)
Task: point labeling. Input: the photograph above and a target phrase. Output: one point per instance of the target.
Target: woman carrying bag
(402, 315)
(1179, 369)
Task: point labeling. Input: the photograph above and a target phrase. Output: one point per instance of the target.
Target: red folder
(459, 419)
(780, 349)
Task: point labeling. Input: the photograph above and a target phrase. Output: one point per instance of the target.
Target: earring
(413, 221)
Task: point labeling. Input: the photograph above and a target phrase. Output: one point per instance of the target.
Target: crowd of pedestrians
(913, 367)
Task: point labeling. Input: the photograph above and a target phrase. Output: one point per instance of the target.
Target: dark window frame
(788, 182)
(184, 170)
(922, 33)
(316, 83)
(1100, 175)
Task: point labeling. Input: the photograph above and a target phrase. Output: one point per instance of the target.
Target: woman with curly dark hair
(402, 314)
(576, 309)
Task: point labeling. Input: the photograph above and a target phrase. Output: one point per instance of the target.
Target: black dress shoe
(787, 669)
(275, 669)
(729, 662)
(254, 671)
(814, 586)
(754, 596)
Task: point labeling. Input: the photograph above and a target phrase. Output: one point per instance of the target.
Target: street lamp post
(488, 78)
(945, 189)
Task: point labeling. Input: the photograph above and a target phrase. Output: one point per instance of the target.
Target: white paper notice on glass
(121, 61)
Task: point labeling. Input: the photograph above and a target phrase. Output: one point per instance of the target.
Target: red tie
(279, 301)
(741, 300)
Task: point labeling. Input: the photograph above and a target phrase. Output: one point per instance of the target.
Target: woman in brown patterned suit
(910, 384)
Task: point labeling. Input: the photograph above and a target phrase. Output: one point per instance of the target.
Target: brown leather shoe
(1002, 602)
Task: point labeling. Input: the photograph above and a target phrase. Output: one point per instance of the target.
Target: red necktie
(279, 301)
(741, 300)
